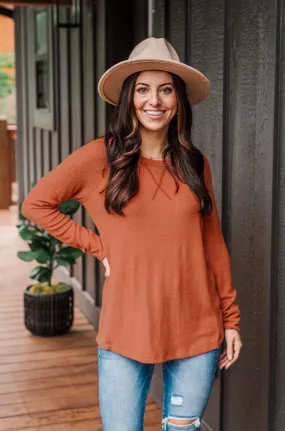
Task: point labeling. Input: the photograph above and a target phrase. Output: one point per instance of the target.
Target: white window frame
(43, 118)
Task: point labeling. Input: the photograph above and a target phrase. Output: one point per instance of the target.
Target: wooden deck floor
(45, 384)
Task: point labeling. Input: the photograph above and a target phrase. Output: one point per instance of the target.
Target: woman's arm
(218, 257)
(74, 178)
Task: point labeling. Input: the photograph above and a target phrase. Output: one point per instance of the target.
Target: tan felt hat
(153, 54)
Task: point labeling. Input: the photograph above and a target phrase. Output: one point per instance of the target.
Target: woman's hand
(232, 351)
(107, 266)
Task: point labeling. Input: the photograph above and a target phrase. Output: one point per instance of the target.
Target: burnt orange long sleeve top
(169, 294)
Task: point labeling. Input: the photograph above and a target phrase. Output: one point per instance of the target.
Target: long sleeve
(218, 257)
(74, 178)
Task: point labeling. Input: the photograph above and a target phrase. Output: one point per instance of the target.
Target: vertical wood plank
(250, 151)
(100, 65)
(38, 152)
(159, 19)
(140, 18)
(30, 100)
(89, 88)
(75, 125)
(176, 26)
(63, 88)
(54, 160)
(46, 143)
(277, 370)
(21, 97)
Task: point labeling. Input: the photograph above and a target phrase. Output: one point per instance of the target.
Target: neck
(153, 143)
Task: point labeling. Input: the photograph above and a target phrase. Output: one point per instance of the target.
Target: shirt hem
(160, 359)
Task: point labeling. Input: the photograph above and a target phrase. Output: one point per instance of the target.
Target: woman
(167, 296)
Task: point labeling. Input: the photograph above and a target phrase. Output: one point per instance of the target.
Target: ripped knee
(175, 421)
(181, 422)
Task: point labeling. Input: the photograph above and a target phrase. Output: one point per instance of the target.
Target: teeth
(155, 113)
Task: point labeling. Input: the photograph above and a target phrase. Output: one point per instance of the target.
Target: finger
(223, 363)
(223, 358)
(236, 355)
(237, 347)
(221, 366)
(230, 363)
(230, 350)
(107, 268)
(235, 358)
(223, 355)
(227, 364)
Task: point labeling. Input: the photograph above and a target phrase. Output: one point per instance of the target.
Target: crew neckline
(153, 162)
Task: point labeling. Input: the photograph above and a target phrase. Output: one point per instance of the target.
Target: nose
(155, 101)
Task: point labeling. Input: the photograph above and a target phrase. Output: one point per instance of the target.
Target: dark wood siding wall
(240, 47)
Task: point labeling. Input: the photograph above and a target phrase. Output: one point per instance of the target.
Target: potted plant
(48, 305)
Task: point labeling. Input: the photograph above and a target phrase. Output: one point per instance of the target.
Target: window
(41, 75)
(42, 59)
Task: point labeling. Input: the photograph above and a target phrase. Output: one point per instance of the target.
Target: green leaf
(55, 241)
(20, 215)
(42, 256)
(40, 273)
(69, 207)
(65, 262)
(70, 252)
(39, 242)
(51, 238)
(27, 232)
(26, 256)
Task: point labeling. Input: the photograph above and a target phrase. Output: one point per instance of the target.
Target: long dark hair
(123, 142)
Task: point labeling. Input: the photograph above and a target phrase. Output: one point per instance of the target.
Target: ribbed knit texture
(169, 294)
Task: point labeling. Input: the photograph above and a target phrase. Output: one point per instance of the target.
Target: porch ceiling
(36, 2)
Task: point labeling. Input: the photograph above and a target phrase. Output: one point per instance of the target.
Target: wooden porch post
(5, 174)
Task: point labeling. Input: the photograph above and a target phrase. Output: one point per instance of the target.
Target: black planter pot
(48, 315)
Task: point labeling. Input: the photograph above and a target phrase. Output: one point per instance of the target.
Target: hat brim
(110, 84)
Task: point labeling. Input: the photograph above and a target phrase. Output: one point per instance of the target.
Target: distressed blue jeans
(124, 385)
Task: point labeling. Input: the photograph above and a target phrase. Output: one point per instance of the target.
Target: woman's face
(155, 99)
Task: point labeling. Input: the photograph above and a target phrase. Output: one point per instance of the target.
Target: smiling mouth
(154, 114)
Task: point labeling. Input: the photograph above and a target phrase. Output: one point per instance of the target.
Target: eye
(167, 90)
(142, 90)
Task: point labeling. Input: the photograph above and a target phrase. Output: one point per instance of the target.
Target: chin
(154, 127)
